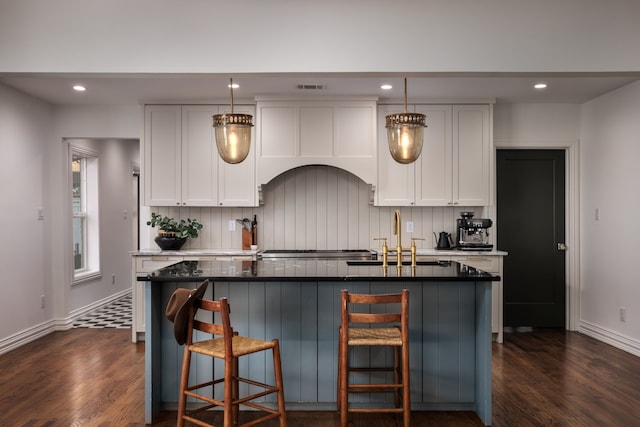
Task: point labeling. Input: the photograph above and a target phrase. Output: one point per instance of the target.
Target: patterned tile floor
(115, 315)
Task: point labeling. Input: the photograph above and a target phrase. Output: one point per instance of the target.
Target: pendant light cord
(231, 89)
(405, 95)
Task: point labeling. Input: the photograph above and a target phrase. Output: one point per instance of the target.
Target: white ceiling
(116, 89)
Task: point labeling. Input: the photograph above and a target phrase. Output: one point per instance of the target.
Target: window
(84, 200)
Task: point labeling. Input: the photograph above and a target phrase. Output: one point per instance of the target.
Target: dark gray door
(531, 227)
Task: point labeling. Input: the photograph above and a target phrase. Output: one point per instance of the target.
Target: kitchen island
(298, 302)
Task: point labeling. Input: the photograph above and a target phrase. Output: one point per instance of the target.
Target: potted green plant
(172, 233)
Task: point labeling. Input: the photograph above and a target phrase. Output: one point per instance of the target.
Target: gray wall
(33, 175)
(405, 36)
(610, 147)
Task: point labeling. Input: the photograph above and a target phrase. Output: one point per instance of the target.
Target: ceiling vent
(311, 87)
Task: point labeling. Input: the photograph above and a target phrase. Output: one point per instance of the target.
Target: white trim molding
(615, 339)
(572, 216)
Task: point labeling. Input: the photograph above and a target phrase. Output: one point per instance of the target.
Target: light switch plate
(409, 226)
(232, 225)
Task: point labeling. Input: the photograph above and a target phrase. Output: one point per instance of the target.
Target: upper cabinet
(293, 133)
(472, 151)
(181, 163)
(454, 167)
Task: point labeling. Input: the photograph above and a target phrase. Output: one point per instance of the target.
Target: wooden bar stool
(383, 329)
(228, 346)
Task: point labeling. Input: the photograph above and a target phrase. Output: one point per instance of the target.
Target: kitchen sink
(379, 262)
(351, 254)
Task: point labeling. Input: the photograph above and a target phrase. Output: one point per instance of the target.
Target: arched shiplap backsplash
(316, 207)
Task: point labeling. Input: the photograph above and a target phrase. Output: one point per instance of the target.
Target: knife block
(246, 239)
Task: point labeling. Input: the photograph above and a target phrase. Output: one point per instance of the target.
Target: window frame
(90, 214)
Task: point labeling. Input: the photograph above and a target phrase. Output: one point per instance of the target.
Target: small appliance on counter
(443, 243)
(473, 233)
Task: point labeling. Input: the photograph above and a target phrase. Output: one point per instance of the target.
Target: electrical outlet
(232, 225)
(42, 301)
(623, 314)
(409, 226)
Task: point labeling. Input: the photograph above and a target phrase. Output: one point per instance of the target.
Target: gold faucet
(397, 230)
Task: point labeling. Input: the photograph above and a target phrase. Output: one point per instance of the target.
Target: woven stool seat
(241, 346)
(375, 336)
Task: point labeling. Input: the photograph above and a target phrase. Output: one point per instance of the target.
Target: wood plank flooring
(95, 377)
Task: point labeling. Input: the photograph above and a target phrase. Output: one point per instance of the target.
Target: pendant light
(233, 134)
(404, 133)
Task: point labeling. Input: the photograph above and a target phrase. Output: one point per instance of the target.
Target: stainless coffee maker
(473, 234)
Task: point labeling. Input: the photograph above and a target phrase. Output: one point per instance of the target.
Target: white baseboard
(26, 336)
(615, 339)
(96, 305)
(31, 334)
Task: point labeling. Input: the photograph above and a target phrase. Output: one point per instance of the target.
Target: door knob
(562, 247)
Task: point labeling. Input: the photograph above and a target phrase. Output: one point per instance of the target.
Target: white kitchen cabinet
(426, 180)
(162, 155)
(182, 166)
(293, 133)
(453, 169)
(199, 156)
(434, 169)
(472, 149)
(237, 183)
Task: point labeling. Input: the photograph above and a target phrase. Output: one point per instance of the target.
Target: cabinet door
(199, 156)
(237, 182)
(395, 185)
(471, 155)
(433, 174)
(162, 155)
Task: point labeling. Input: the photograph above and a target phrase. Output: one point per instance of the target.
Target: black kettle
(444, 241)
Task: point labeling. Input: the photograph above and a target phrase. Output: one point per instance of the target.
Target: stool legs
(277, 369)
(228, 346)
(184, 378)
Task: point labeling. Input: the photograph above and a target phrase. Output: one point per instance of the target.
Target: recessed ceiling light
(540, 85)
(79, 88)
(386, 87)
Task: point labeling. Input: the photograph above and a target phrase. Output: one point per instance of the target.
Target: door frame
(572, 216)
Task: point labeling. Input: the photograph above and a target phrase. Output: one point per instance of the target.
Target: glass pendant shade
(404, 133)
(233, 134)
(404, 136)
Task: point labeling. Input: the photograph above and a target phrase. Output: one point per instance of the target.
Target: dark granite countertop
(312, 270)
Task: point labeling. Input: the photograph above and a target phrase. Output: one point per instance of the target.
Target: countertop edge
(193, 252)
(227, 252)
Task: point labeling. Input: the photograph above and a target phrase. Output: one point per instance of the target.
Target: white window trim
(92, 246)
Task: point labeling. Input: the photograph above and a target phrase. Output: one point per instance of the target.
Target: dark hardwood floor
(95, 377)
